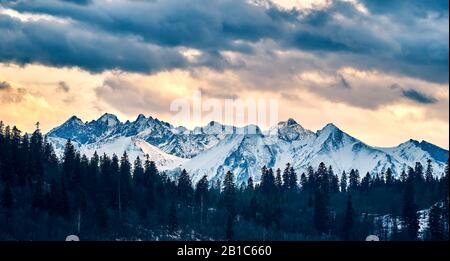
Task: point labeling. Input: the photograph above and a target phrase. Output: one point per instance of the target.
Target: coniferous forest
(43, 197)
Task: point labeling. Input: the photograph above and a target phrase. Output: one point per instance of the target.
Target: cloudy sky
(377, 69)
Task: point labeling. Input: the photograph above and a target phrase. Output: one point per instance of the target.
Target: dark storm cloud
(373, 94)
(126, 29)
(206, 25)
(55, 45)
(418, 96)
(79, 2)
(415, 7)
(414, 95)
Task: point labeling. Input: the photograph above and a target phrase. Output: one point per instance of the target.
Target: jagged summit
(216, 148)
(74, 119)
(330, 127)
(109, 119)
(290, 130)
(291, 122)
(288, 122)
(140, 117)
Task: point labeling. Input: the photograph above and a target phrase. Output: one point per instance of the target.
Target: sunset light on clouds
(363, 65)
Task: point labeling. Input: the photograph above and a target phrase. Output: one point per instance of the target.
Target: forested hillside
(43, 197)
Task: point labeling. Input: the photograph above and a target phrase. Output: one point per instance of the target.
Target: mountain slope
(134, 147)
(214, 149)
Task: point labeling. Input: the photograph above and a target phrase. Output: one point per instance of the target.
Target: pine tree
(353, 179)
(349, 219)
(218, 185)
(285, 176)
(50, 158)
(150, 180)
(268, 182)
(201, 193)
(36, 171)
(378, 180)
(125, 189)
(140, 194)
(201, 188)
(83, 172)
(229, 192)
(250, 185)
(278, 180)
(138, 172)
(389, 179)
(303, 181)
(343, 183)
(429, 172)
(114, 181)
(69, 161)
(150, 173)
(293, 186)
(6, 159)
(435, 223)
(366, 182)
(403, 176)
(334, 180)
(410, 217)
(445, 198)
(93, 175)
(2, 149)
(86, 193)
(19, 153)
(184, 188)
(311, 177)
(321, 200)
(418, 171)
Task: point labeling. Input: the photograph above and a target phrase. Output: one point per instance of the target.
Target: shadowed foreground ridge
(108, 198)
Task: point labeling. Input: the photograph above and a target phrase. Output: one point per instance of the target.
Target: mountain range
(214, 149)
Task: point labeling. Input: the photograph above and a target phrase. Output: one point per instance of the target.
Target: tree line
(109, 198)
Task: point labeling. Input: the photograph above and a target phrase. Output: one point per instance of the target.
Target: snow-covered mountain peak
(140, 118)
(73, 129)
(212, 128)
(216, 148)
(291, 122)
(331, 138)
(288, 123)
(74, 120)
(409, 144)
(290, 130)
(329, 128)
(181, 130)
(423, 150)
(109, 119)
(250, 129)
(435, 152)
